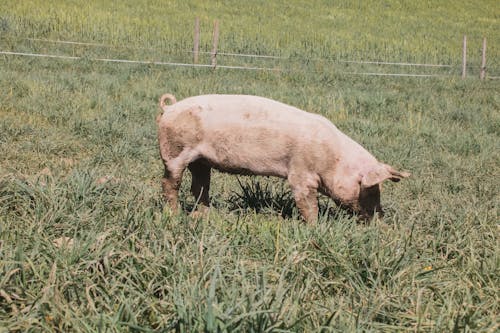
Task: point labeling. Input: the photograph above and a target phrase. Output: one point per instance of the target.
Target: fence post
(482, 74)
(215, 43)
(464, 58)
(196, 46)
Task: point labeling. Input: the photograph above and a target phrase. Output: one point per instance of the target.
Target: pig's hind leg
(171, 183)
(174, 169)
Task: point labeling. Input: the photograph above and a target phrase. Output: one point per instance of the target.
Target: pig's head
(363, 196)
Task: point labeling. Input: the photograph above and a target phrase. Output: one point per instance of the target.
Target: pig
(251, 135)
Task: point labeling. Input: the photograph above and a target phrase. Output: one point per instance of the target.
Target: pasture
(85, 245)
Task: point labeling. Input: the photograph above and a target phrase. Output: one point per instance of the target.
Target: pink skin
(243, 134)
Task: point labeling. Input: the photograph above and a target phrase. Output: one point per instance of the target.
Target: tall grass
(370, 30)
(85, 246)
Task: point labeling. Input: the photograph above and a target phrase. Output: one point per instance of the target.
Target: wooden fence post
(196, 46)
(482, 74)
(215, 43)
(464, 58)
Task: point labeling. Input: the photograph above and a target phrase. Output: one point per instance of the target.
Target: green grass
(397, 31)
(432, 263)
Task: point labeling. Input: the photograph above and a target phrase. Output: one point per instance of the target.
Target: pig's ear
(396, 175)
(380, 173)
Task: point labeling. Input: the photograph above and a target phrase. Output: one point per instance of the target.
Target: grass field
(85, 246)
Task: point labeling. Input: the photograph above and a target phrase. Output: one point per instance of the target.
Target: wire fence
(232, 54)
(142, 62)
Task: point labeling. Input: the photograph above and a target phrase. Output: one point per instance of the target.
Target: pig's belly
(248, 150)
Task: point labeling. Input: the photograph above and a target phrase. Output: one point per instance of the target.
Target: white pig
(252, 135)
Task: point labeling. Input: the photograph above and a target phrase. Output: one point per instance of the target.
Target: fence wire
(230, 54)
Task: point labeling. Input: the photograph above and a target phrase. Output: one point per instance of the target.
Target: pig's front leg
(305, 193)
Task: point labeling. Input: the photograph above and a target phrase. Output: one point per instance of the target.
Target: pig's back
(247, 111)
